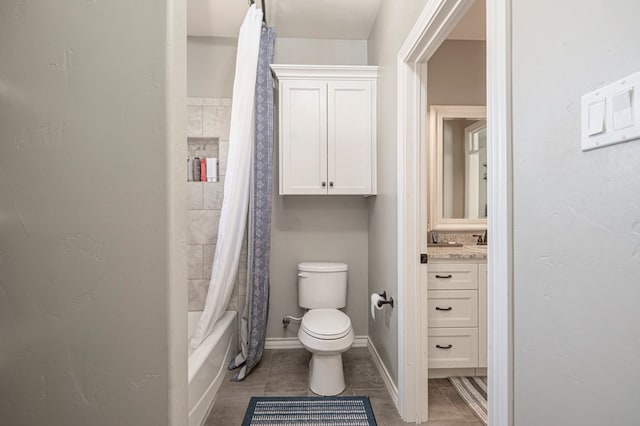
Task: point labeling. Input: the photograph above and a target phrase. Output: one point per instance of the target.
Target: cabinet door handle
(438, 308)
(444, 276)
(444, 347)
(324, 184)
(331, 184)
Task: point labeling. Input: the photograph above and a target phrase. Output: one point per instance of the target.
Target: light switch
(623, 110)
(610, 114)
(596, 117)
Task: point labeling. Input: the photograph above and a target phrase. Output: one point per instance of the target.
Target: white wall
(88, 215)
(576, 219)
(395, 20)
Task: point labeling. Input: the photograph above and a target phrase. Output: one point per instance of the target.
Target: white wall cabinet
(457, 315)
(327, 129)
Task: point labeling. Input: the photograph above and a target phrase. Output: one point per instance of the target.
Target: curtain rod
(264, 11)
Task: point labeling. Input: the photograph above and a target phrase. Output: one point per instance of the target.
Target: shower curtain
(254, 317)
(237, 179)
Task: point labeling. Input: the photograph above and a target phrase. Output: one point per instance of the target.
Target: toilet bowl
(326, 333)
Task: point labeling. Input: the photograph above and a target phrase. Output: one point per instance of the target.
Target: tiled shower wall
(204, 201)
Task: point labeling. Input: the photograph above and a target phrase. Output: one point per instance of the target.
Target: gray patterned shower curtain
(254, 318)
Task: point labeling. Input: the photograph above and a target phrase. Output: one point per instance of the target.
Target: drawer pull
(438, 308)
(444, 276)
(444, 347)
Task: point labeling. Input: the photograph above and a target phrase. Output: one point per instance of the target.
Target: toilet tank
(322, 285)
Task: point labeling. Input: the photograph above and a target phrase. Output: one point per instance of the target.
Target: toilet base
(326, 377)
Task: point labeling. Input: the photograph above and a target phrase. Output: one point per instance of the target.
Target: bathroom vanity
(456, 281)
(457, 311)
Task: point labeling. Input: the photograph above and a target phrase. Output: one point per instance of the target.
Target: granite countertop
(471, 252)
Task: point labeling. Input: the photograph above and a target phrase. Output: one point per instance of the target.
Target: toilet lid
(326, 323)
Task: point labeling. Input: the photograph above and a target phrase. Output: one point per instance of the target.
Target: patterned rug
(474, 392)
(308, 411)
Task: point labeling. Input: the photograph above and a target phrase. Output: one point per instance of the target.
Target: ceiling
(323, 19)
(328, 19)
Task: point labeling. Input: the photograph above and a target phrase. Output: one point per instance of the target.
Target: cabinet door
(482, 315)
(350, 137)
(453, 308)
(453, 348)
(303, 137)
(452, 276)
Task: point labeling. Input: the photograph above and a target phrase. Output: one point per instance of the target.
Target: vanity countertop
(458, 253)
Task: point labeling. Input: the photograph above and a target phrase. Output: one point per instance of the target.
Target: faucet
(482, 238)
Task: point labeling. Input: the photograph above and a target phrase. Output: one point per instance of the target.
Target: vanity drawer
(452, 276)
(453, 347)
(452, 308)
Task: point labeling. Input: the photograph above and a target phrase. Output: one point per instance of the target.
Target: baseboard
(294, 343)
(443, 373)
(388, 381)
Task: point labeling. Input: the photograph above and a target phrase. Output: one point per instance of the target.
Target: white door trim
(432, 27)
(500, 220)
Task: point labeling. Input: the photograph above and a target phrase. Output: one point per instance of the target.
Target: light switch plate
(611, 115)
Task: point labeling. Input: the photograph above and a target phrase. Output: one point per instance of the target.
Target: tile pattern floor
(285, 373)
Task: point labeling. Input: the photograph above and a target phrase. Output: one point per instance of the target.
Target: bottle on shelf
(196, 169)
(212, 169)
(203, 169)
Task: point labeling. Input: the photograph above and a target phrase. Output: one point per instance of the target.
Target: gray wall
(211, 60)
(211, 66)
(457, 74)
(87, 215)
(317, 228)
(576, 219)
(320, 51)
(303, 228)
(395, 20)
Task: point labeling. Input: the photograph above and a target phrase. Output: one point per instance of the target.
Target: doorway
(432, 27)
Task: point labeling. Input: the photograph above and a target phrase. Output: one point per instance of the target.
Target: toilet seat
(326, 324)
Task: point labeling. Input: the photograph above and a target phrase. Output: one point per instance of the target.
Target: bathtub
(208, 364)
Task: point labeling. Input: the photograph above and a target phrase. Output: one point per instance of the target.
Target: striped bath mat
(474, 392)
(307, 411)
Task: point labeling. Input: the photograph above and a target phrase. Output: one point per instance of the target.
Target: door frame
(432, 27)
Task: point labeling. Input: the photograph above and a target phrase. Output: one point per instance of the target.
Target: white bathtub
(208, 364)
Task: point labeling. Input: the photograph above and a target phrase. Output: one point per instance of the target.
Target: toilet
(325, 331)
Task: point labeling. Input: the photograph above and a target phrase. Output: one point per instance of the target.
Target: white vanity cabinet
(327, 129)
(457, 315)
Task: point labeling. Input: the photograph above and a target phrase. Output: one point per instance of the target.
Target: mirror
(458, 168)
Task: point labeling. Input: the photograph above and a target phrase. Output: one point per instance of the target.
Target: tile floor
(284, 373)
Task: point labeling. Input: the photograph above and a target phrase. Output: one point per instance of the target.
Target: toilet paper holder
(385, 301)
